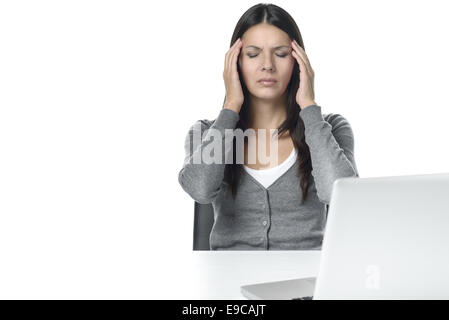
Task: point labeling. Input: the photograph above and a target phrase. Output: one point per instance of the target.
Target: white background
(96, 98)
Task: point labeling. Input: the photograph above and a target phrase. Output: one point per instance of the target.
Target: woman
(269, 206)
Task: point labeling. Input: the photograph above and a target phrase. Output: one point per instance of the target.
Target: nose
(267, 63)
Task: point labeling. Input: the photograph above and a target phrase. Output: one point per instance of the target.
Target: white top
(266, 177)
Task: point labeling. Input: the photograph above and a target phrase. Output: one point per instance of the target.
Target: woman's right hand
(234, 92)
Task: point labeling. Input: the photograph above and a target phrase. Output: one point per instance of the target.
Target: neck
(267, 114)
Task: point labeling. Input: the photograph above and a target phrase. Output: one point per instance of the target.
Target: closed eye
(279, 55)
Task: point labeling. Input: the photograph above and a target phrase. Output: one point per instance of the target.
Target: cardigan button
(264, 222)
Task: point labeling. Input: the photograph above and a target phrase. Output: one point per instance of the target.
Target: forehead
(265, 35)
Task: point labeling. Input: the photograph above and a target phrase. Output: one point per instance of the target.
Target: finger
(235, 57)
(229, 54)
(227, 59)
(300, 51)
(301, 63)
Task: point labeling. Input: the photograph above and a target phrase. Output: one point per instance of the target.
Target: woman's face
(266, 53)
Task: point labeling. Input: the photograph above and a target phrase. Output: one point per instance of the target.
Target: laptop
(385, 238)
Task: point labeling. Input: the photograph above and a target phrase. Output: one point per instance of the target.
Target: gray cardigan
(271, 218)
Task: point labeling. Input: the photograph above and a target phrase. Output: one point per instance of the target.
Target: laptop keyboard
(303, 298)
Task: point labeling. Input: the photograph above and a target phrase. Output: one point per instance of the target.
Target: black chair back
(202, 225)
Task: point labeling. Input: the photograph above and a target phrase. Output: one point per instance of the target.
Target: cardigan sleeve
(200, 179)
(331, 144)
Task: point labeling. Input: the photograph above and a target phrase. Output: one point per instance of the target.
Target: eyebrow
(278, 47)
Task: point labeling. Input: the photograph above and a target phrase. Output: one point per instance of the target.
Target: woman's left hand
(305, 95)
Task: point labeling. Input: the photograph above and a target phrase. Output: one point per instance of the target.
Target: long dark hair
(274, 15)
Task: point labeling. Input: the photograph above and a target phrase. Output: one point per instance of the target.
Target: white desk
(188, 275)
(219, 274)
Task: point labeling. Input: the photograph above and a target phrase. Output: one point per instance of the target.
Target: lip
(267, 82)
(266, 79)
